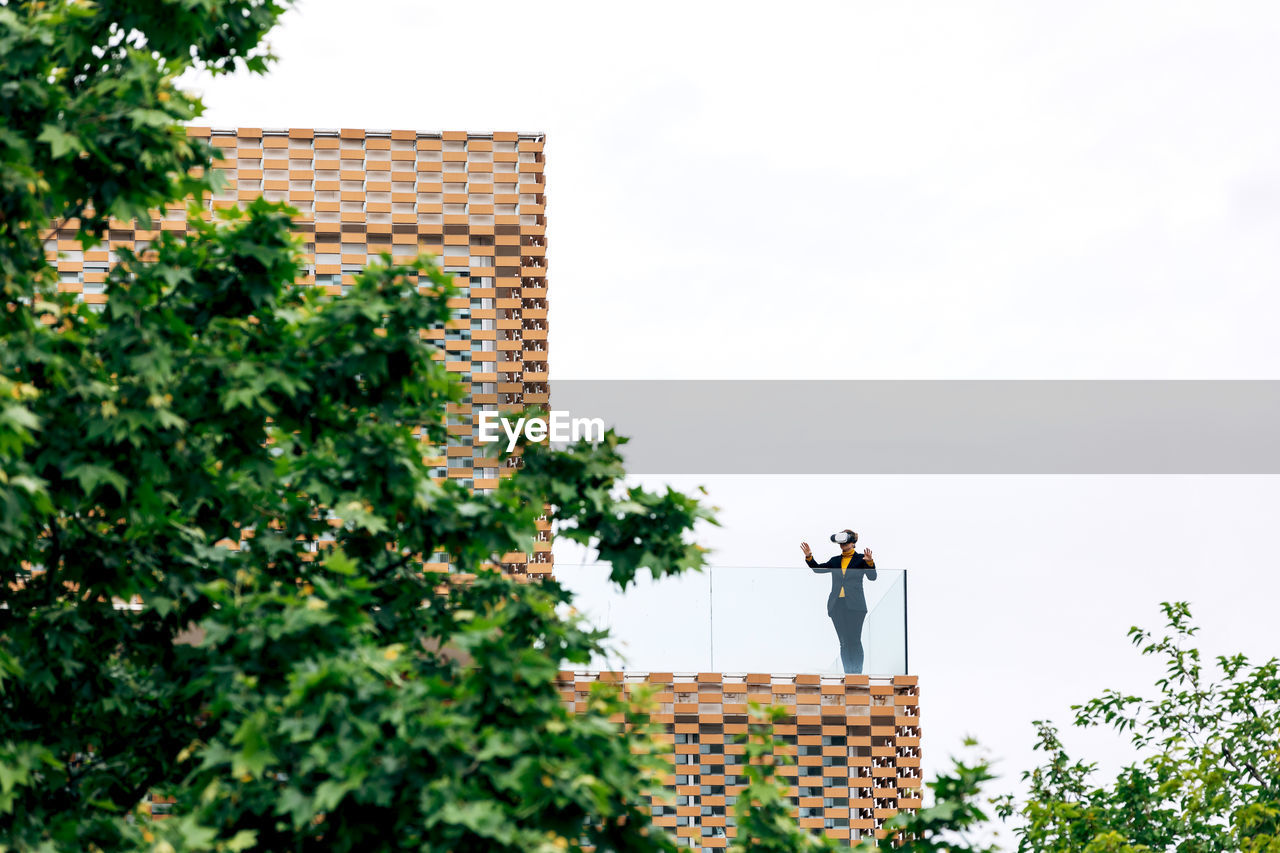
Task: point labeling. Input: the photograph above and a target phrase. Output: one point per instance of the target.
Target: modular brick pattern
(854, 742)
(476, 201)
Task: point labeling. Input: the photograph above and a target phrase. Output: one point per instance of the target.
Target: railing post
(711, 616)
(906, 647)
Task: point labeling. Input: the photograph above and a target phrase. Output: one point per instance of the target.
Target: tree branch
(54, 564)
(1252, 771)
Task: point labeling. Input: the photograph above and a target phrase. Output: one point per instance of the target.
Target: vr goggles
(844, 537)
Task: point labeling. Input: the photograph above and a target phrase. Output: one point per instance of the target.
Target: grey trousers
(848, 625)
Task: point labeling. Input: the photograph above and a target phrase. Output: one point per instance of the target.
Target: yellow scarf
(845, 560)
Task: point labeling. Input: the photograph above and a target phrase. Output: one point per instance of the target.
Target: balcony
(740, 619)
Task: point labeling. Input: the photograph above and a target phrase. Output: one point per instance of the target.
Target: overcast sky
(799, 190)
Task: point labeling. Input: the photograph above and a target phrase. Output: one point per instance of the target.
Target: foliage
(313, 690)
(89, 111)
(1209, 778)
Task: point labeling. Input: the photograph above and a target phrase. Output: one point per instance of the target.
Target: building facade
(477, 202)
(852, 746)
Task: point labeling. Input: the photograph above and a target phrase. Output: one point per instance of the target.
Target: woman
(846, 605)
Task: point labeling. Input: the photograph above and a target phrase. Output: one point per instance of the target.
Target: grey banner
(936, 427)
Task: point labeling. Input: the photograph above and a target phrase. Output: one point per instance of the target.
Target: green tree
(1208, 778)
(312, 690)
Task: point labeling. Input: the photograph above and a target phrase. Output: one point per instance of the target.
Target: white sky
(929, 190)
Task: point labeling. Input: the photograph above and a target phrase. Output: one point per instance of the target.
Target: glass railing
(747, 619)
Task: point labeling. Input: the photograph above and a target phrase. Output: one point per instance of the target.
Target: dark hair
(854, 535)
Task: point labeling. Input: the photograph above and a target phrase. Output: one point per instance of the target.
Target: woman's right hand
(804, 546)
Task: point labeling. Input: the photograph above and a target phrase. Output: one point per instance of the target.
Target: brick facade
(854, 742)
(475, 201)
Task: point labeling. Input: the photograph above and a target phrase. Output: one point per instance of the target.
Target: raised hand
(804, 546)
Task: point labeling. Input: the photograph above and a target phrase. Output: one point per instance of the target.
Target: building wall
(854, 742)
(476, 201)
